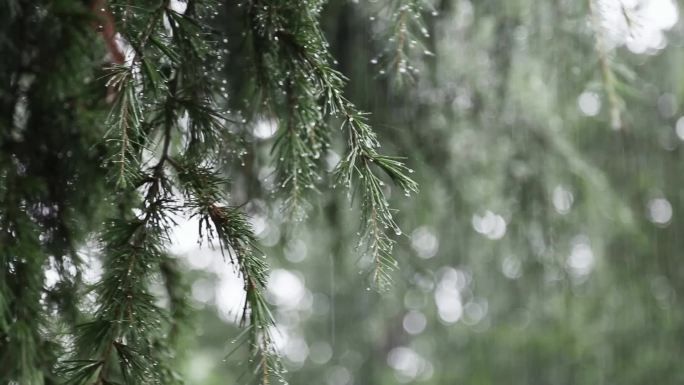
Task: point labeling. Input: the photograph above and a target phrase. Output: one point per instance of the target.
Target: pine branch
(127, 318)
(127, 322)
(377, 217)
(188, 94)
(289, 36)
(202, 188)
(285, 39)
(126, 119)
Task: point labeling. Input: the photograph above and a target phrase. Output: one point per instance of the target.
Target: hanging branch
(127, 321)
(288, 36)
(125, 121)
(203, 188)
(358, 167)
(279, 33)
(170, 73)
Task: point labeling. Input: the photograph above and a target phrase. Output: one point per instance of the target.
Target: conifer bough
(152, 86)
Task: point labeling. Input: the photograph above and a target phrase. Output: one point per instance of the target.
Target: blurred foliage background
(544, 245)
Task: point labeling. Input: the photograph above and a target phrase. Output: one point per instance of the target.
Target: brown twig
(107, 29)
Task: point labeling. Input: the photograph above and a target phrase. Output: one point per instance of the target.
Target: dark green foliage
(50, 176)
